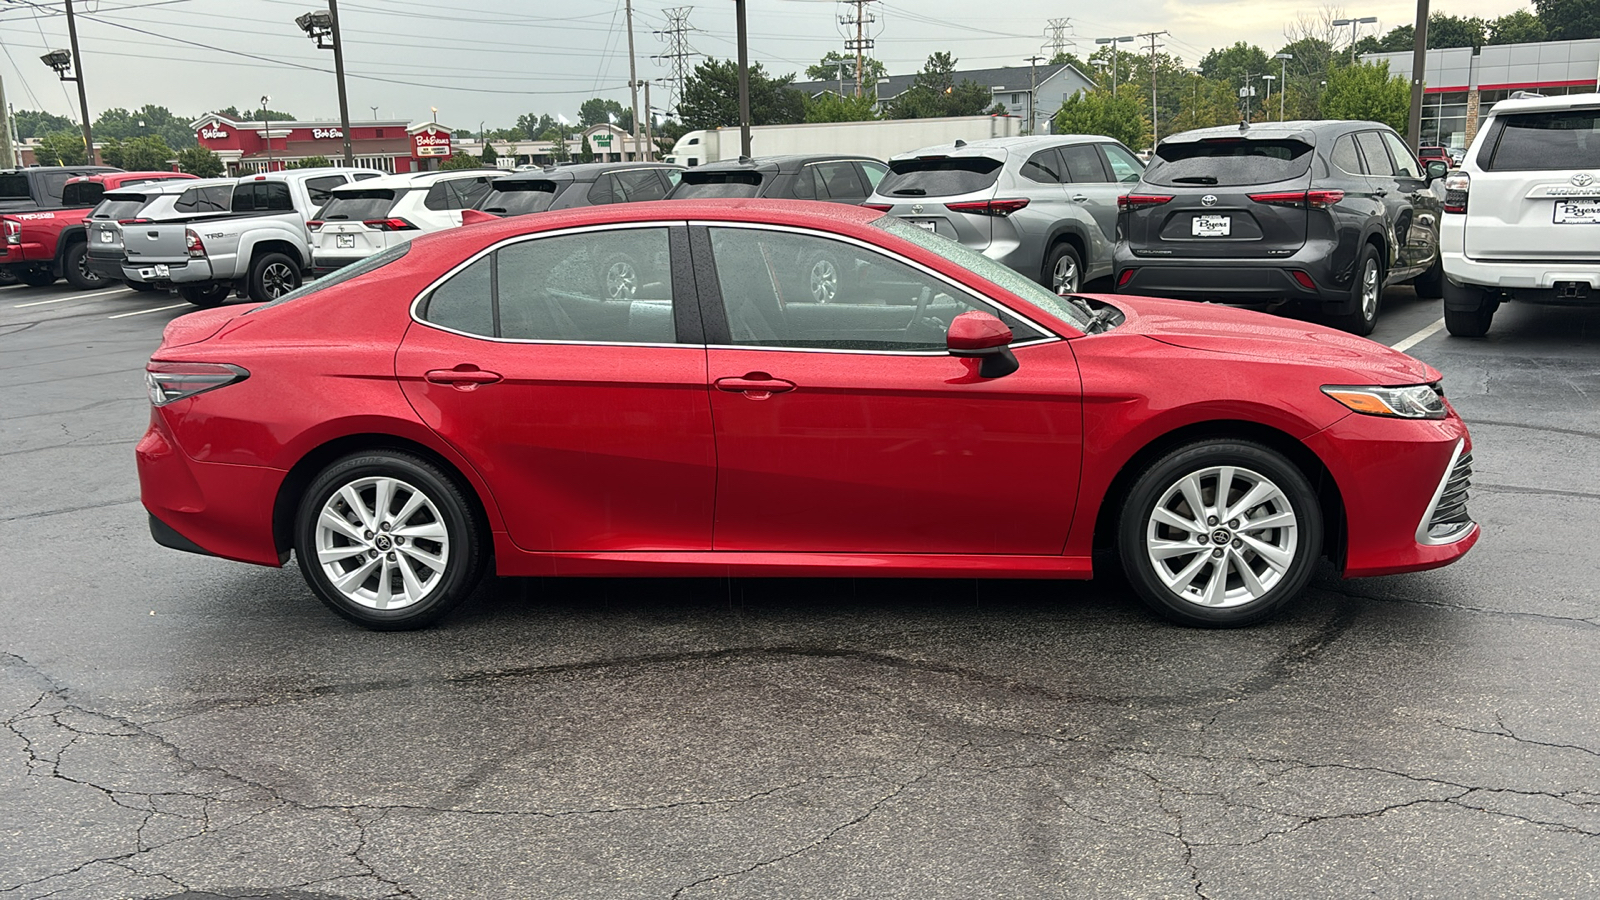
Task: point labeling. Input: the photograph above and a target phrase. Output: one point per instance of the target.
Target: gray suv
(1045, 206)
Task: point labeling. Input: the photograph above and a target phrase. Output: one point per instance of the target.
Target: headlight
(1416, 401)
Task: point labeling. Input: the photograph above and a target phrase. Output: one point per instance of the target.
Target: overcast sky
(491, 60)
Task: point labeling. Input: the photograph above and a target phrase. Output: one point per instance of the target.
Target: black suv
(835, 178)
(583, 184)
(1324, 214)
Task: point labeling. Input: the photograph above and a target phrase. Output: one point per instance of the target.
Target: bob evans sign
(323, 133)
(213, 133)
(431, 142)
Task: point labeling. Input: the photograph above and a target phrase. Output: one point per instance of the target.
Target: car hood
(1244, 333)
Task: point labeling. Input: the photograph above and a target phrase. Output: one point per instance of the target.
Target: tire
(74, 265)
(619, 278)
(1063, 269)
(6, 278)
(1468, 309)
(825, 276)
(140, 286)
(206, 294)
(442, 545)
(37, 277)
(271, 276)
(1430, 284)
(1366, 295)
(1165, 574)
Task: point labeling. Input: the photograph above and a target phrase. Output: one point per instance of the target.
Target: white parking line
(140, 312)
(121, 290)
(1419, 337)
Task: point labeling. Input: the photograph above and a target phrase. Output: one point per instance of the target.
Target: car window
(1372, 151)
(701, 183)
(604, 190)
(874, 173)
(1404, 163)
(358, 204)
(838, 181)
(1125, 167)
(469, 191)
(14, 186)
(440, 197)
(612, 286)
(643, 184)
(1228, 162)
(82, 193)
(1344, 155)
(318, 189)
(1559, 139)
(781, 289)
(363, 176)
(673, 177)
(52, 183)
(516, 196)
(939, 176)
(119, 206)
(258, 196)
(1043, 167)
(1084, 165)
(465, 302)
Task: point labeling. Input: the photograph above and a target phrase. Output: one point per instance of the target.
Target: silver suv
(1522, 216)
(1045, 206)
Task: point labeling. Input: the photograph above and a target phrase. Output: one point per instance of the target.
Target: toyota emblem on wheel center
(1208, 200)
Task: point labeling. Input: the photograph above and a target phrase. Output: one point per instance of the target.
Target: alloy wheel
(622, 282)
(824, 281)
(382, 543)
(1222, 536)
(1370, 289)
(278, 279)
(87, 273)
(1065, 276)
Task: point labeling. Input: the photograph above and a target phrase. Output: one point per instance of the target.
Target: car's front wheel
(387, 540)
(1220, 533)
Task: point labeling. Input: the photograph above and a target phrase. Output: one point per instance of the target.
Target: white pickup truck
(261, 248)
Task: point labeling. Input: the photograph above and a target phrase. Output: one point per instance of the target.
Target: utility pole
(649, 123)
(1155, 130)
(1033, 93)
(744, 78)
(8, 153)
(676, 36)
(633, 78)
(1419, 63)
(861, 43)
(83, 96)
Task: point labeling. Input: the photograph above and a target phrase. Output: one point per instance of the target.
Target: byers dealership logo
(213, 132)
(320, 133)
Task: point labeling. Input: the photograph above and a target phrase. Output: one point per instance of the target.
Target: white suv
(360, 219)
(1522, 215)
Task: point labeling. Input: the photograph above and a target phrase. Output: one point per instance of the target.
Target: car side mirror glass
(982, 336)
(1437, 169)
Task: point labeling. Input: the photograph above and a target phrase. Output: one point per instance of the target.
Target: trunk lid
(922, 190)
(1535, 193)
(157, 242)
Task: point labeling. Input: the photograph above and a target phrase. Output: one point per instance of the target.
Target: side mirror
(982, 336)
(1437, 169)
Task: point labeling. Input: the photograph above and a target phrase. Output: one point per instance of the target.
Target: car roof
(776, 164)
(415, 179)
(584, 171)
(1000, 147)
(1545, 104)
(169, 186)
(286, 174)
(111, 178)
(1307, 130)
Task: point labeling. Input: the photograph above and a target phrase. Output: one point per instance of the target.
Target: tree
(1098, 112)
(144, 121)
(557, 136)
(1204, 103)
(934, 93)
(35, 124)
(256, 115)
(460, 161)
(1569, 20)
(828, 70)
(200, 161)
(1520, 27)
(310, 162)
(1452, 31)
(711, 97)
(1367, 91)
(533, 128)
(490, 155)
(598, 111)
(830, 107)
(140, 154)
(61, 148)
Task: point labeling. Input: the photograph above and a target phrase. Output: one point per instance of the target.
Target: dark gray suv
(1320, 213)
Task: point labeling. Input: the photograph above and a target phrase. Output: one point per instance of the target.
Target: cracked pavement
(176, 726)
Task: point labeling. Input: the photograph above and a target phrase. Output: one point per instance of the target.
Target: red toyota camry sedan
(771, 388)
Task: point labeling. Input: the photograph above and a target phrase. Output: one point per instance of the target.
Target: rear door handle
(1080, 198)
(755, 385)
(465, 376)
(1380, 192)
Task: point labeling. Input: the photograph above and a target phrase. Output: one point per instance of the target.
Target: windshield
(516, 197)
(696, 185)
(941, 176)
(1025, 288)
(355, 270)
(1228, 162)
(373, 203)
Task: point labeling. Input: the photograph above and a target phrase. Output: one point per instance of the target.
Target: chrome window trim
(1422, 535)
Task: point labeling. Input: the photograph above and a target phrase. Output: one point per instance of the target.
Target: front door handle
(1080, 198)
(1380, 192)
(755, 385)
(463, 377)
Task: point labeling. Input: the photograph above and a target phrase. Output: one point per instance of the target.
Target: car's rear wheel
(272, 276)
(387, 540)
(205, 295)
(1220, 533)
(7, 278)
(1430, 284)
(1468, 310)
(1064, 268)
(1366, 295)
(75, 266)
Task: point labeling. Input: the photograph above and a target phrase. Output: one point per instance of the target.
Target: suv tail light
(13, 230)
(172, 381)
(389, 224)
(1000, 208)
(1307, 199)
(314, 225)
(1139, 201)
(880, 207)
(1456, 187)
(192, 243)
(135, 221)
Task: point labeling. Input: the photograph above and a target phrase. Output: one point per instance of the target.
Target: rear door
(1092, 188)
(1416, 208)
(1223, 198)
(1535, 190)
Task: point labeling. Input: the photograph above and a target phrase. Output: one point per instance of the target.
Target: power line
(678, 54)
(1155, 129)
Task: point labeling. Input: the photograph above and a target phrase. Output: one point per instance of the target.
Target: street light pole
(1283, 75)
(1355, 24)
(1114, 41)
(83, 96)
(338, 71)
(266, 129)
(744, 78)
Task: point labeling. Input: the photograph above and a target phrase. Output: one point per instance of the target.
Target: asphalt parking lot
(182, 725)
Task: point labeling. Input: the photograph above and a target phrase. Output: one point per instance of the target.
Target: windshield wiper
(910, 192)
(1195, 179)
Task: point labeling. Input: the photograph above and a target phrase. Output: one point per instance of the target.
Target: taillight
(1125, 277)
(1000, 208)
(13, 230)
(1305, 280)
(389, 224)
(1456, 187)
(1139, 201)
(880, 207)
(1307, 199)
(135, 221)
(192, 243)
(172, 381)
(314, 225)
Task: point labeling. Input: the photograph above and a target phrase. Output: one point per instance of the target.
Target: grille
(1450, 517)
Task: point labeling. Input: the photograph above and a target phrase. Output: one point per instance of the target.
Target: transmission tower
(1058, 34)
(861, 19)
(679, 55)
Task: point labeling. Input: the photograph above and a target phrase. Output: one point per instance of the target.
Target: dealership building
(392, 145)
(1460, 83)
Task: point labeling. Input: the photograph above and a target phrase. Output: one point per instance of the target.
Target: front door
(844, 426)
(561, 368)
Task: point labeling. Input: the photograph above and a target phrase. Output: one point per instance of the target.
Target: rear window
(1230, 161)
(939, 177)
(1564, 139)
(699, 184)
(14, 187)
(119, 206)
(83, 193)
(370, 203)
(518, 198)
